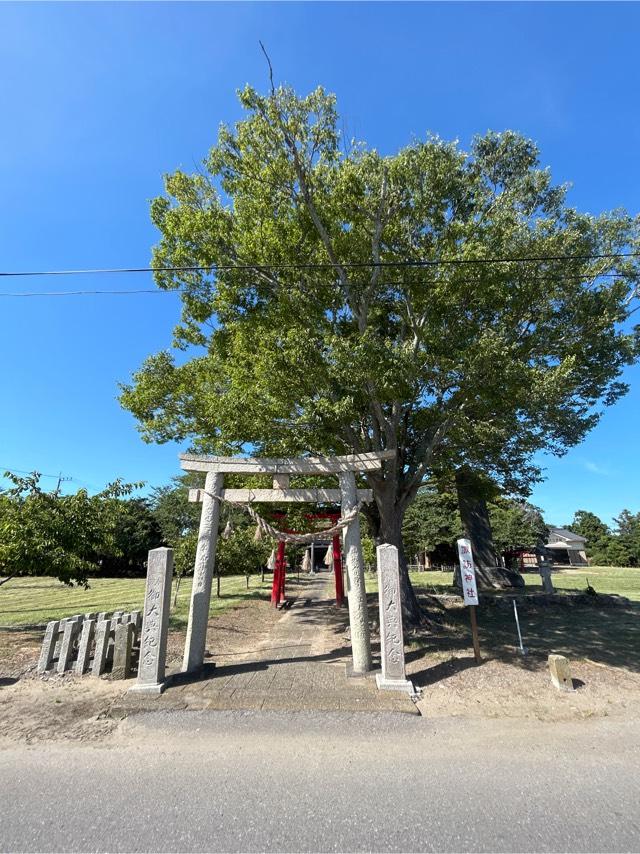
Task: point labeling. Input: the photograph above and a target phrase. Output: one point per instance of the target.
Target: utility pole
(60, 480)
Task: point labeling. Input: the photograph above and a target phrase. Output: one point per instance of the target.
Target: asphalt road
(327, 782)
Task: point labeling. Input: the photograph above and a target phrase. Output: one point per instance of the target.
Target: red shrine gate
(280, 570)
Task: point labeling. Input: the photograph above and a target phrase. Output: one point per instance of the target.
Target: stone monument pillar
(357, 595)
(102, 642)
(203, 574)
(48, 646)
(84, 647)
(155, 623)
(71, 630)
(391, 635)
(122, 651)
(545, 576)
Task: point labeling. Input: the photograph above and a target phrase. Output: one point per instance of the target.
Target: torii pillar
(203, 574)
(357, 596)
(281, 469)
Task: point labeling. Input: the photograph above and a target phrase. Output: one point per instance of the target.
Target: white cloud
(596, 469)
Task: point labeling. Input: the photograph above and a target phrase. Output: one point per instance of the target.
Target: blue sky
(99, 100)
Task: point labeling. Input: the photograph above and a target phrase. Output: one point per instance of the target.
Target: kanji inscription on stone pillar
(391, 635)
(155, 622)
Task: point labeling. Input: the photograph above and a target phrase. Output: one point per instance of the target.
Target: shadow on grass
(178, 621)
(606, 634)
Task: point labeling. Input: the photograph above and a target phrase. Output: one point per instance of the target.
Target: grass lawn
(35, 601)
(606, 635)
(625, 581)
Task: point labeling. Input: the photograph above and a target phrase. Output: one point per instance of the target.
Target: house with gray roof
(566, 548)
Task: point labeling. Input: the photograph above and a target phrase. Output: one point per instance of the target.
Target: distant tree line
(77, 536)
(619, 546)
(433, 524)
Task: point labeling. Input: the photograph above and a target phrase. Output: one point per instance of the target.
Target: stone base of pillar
(357, 674)
(394, 684)
(158, 688)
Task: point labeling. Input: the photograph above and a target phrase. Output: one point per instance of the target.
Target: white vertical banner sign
(469, 590)
(467, 573)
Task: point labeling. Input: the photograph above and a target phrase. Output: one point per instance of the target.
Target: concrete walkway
(301, 666)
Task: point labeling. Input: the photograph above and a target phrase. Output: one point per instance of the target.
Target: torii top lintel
(371, 461)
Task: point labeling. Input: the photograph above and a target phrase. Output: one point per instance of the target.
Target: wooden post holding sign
(469, 590)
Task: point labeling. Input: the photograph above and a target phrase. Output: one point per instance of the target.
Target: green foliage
(241, 554)
(604, 547)
(597, 535)
(174, 514)
(449, 364)
(588, 525)
(368, 548)
(516, 524)
(135, 530)
(628, 535)
(184, 553)
(64, 536)
(432, 519)
(179, 522)
(482, 364)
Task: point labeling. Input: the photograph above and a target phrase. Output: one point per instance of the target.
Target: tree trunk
(472, 503)
(475, 517)
(177, 589)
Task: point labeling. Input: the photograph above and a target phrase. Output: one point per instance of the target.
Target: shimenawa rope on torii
(282, 536)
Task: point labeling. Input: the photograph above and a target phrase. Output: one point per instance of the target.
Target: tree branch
(273, 88)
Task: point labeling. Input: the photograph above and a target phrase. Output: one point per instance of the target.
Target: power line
(24, 471)
(322, 265)
(133, 292)
(57, 477)
(83, 293)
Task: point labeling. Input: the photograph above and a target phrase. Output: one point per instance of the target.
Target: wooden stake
(474, 633)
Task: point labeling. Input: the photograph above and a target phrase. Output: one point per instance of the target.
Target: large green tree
(628, 534)
(620, 547)
(344, 300)
(133, 531)
(586, 524)
(516, 524)
(70, 537)
(433, 519)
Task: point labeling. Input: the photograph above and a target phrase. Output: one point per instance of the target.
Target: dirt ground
(499, 689)
(600, 637)
(440, 662)
(67, 707)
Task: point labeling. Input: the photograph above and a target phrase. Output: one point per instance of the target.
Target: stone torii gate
(214, 492)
